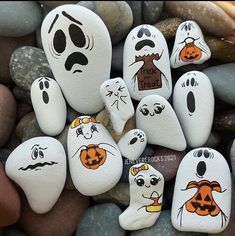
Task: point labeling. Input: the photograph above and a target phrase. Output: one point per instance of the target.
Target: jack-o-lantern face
(93, 156)
(190, 53)
(202, 203)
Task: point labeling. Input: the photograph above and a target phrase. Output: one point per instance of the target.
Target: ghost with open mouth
(38, 166)
(146, 192)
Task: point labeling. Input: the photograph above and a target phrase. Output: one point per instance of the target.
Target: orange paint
(190, 52)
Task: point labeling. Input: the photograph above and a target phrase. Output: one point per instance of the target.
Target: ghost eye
(93, 128)
(41, 154)
(46, 83)
(77, 36)
(154, 181)
(34, 154)
(109, 93)
(79, 131)
(59, 41)
(140, 182)
(144, 111)
(120, 89)
(140, 33)
(159, 109)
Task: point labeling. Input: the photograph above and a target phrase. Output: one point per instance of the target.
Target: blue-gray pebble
(100, 220)
(27, 64)
(223, 82)
(152, 11)
(19, 18)
(164, 227)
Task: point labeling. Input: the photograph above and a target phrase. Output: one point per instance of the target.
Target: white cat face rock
(38, 166)
(95, 161)
(49, 105)
(189, 46)
(146, 193)
(193, 101)
(118, 102)
(156, 117)
(78, 48)
(132, 144)
(202, 194)
(146, 64)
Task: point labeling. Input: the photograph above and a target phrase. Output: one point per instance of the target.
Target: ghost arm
(134, 68)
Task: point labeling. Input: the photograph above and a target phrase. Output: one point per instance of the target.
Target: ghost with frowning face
(146, 65)
(38, 166)
(146, 193)
(202, 194)
(78, 48)
(189, 46)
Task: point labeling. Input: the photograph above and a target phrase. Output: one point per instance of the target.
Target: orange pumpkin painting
(190, 52)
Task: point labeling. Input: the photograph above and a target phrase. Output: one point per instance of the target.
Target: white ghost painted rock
(156, 117)
(146, 193)
(193, 101)
(202, 194)
(146, 64)
(189, 46)
(49, 105)
(118, 102)
(78, 48)
(132, 144)
(95, 161)
(38, 166)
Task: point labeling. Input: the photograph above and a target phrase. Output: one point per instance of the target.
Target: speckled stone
(164, 227)
(22, 95)
(152, 11)
(225, 121)
(62, 137)
(169, 26)
(53, 4)
(100, 220)
(117, 16)
(27, 64)
(22, 109)
(210, 17)
(137, 8)
(19, 18)
(119, 194)
(213, 140)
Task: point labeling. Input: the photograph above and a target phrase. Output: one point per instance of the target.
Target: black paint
(77, 36)
(46, 83)
(201, 168)
(41, 85)
(59, 41)
(75, 58)
(140, 182)
(191, 102)
(134, 140)
(31, 167)
(206, 154)
(143, 43)
(45, 97)
(143, 31)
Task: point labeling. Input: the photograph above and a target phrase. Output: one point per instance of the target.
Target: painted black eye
(41, 154)
(140, 33)
(59, 41)
(144, 111)
(35, 154)
(77, 36)
(206, 154)
(41, 85)
(192, 80)
(109, 93)
(199, 153)
(134, 140)
(147, 32)
(46, 83)
(154, 181)
(93, 128)
(159, 110)
(187, 82)
(120, 88)
(140, 182)
(79, 131)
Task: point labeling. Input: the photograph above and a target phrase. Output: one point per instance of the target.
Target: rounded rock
(152, 11)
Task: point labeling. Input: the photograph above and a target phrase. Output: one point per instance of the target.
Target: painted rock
(48, 102)
(146, 65)
(189, 46)
(93, 155)
(146, 192)
(156, 117)
(38, 166)
(202, 194)
(118, 102)
(132, 144)
(78, 48)
(193, 101)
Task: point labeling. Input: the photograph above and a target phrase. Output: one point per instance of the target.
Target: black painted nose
(201, 168)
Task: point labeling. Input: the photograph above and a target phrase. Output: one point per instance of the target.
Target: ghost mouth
(37, 165)
(143, 43)
(79, 71)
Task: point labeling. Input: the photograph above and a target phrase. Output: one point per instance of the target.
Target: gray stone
(213, 140)
(100, 220)
(117, 16)
(72, 114)
(119, 194)
(232, 160)
(223, 82)
(32, 130)
(22, 95)
(27, 64)
(152, 11)
(164, 227)
(62, 137)
(12, 231)
(117, 56)
(19, 18)
(4, 153)
(136, 7)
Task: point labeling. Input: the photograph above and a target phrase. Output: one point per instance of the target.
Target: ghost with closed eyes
(118, 102)
(146, 193)
(156, 117)
(78, 48)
